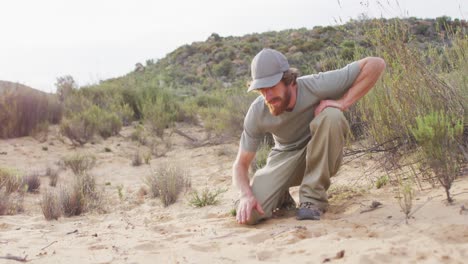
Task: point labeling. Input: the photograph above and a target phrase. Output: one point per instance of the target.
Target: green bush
(440, 136)
(381, 181)
(80, 163)
(160, 109)
(205, 197)
(83, 126)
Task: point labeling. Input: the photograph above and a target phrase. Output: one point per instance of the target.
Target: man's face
(276, 98)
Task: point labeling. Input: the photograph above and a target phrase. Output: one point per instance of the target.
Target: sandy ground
(141, 230)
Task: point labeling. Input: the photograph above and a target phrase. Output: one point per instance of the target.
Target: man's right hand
(246, 205)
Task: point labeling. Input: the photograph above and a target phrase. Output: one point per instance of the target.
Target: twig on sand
(53, 242)
(339, 255)
(372, 207)
(72, 232)
(20, 259)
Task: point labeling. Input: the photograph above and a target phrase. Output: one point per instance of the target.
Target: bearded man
(305, 116)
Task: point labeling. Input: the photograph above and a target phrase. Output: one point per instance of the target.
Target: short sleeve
(332, 84)
(252, 134)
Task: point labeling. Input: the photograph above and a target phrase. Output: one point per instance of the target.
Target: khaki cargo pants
(310, 167)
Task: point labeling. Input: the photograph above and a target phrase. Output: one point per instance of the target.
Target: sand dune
(141, 230)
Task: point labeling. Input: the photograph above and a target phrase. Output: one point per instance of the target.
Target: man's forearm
(371, 69)
(241, 178)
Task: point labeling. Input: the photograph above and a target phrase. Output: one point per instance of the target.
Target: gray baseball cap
(267, 68)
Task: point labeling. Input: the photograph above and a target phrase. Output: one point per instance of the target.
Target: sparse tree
(65, 85)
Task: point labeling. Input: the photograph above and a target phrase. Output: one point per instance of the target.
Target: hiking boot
(308, 211)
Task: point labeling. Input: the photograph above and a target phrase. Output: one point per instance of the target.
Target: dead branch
(375, 205)
(49, 245)
(72, 232)
(185, 135)
(374, 149)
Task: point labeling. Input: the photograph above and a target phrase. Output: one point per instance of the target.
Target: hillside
(6, 86)
(222, 62)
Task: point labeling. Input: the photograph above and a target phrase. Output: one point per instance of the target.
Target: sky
(93, 40)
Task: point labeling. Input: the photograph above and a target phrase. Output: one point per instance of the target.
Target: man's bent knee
(332, 114)
(330, 118)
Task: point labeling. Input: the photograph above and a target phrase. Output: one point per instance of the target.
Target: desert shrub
(227, 119)
(80, 127)
(381, 181)
(136, 159)
(86, 184)
(4, 202)
(440, 135)
(40, 132)
(124, 112)
(139, 135)
(11, 203)
(65, 86)
(405, 197)
(81, 196)
(79, 163)
(413, 86)
(53, 176)
(223, 68)
(72, 201)
(167, 182)
(22, 110)
(32, 182)
(10, 179)
(408, 89)
(50, 206)
(76, 103)
(205, 197)
(160, 110)
(147, 157)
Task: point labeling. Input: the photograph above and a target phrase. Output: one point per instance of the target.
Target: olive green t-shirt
(290, 130)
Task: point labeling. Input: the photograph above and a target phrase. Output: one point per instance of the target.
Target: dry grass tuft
(167, 182)
(53, 176)
(81, 196)
(10, 179)
(32, 182)
(11, 203)
(136, 159)
(80, 163)
(72, 201)
(4, 202)
(50, 206)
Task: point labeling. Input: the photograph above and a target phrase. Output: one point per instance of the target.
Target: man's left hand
(328, 103)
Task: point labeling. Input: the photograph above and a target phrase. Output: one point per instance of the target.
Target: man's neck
(293, 99)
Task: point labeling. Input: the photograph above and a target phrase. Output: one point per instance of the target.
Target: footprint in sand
(212, 247)
(264, 255)
(258, 238)
(148, 246)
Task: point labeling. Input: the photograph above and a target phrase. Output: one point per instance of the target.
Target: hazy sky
(94, 40)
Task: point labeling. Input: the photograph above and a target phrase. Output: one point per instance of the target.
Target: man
(305, 117)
